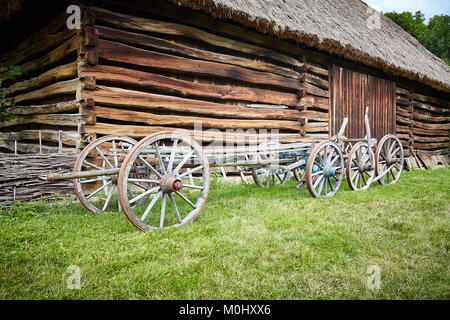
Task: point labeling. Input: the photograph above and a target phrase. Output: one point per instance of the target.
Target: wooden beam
(57, 54)
(188, 121)
(208, 22)
(155, 26)
(59, 73)
(431, 139)
(46, 108)
(188, 51)
(314, 102)
(129, 77)
(430, 146)
(319, 82)
(314, 90)
(49, 119)
(431, 108)
(60, 88)
(423, 117)
(118, 52)
(206, 136)
(428, 99)
(129, 98)
(313, 127)
(314, 116)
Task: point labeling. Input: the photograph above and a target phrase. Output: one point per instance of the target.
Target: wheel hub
(169, 183)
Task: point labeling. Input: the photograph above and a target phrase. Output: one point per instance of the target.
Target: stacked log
(423, 122)
(47, 95)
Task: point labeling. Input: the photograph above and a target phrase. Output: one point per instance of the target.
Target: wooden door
(351, 92)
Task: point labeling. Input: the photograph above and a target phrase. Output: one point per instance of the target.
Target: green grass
(248, 243)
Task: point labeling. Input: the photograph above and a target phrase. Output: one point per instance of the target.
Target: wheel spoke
(364, 179)
(181, 164)
(163, 211)
(186, 199)
(146, 193)
(109, 197)
(92, 165)
(98, 190)
(331, 185)
(150, 206)
(317, 182)
(148, 165)
(192, 186)
(334, 160)
(95, 180)
(143, 180)
(103, 157)
(172, 156)
(189, 171)
(354, 176)
(137, 185)
(279, 178)
(130, 193)
(174, 206)
(160, 160)
(391, 147)
(321, 186)
(393, 154)
(116, 160)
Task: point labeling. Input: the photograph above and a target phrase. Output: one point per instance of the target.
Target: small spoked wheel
(299, 173)
(389, 156)
(174, 175)
(324, 170)
(96, 193)
(264, 177)
(269, 175)
(360, 167)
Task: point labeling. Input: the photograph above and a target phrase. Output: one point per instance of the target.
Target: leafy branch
(7, 73)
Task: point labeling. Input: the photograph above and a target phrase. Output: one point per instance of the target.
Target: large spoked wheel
(324, 170)
(96, 192)
(177, 184)
(360, 167)
(389, 155)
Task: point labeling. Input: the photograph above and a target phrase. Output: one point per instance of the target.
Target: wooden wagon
(172, 167)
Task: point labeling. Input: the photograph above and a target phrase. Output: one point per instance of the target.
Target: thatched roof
(338, 27)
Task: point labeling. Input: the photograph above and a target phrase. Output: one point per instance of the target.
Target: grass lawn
(248, 243)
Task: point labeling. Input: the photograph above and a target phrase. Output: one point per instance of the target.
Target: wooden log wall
(423, 122)
(47, 97)
(157, 72)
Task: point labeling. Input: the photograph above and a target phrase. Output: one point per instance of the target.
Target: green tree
(7, 73)
(434, 36)
(438, 37)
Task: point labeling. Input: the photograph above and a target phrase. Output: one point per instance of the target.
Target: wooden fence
(21, 176)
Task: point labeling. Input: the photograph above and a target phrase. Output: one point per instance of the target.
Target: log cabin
(138, 67)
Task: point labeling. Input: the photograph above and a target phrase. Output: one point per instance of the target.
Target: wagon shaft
(86, 174)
